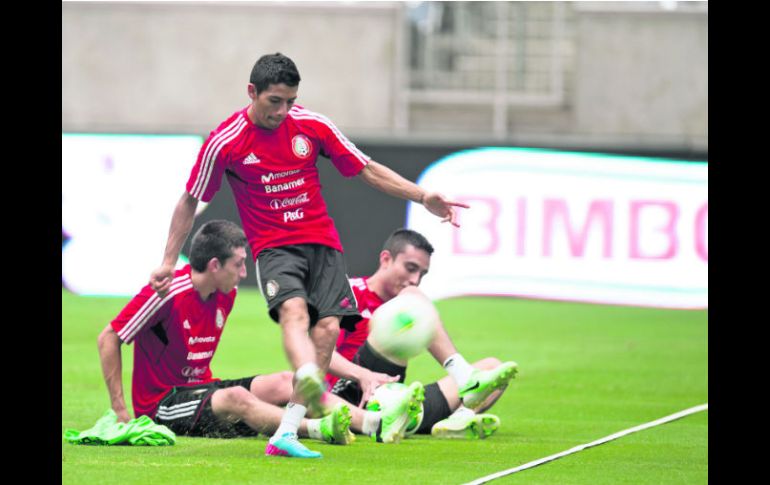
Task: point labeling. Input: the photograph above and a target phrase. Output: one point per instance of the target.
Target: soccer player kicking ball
(175, 339)
(453, 406)
(268, 152)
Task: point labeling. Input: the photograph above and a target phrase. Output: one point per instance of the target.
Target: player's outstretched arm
(181, 225)
(386, 180)
(112, 368)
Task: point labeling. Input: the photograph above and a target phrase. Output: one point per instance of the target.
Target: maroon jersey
(274, 176)
(349, 342)
(176, 337)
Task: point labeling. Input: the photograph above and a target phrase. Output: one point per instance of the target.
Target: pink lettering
(668, 230)
(521, 228)
(599, 211)
(477, 228)
(701, 232)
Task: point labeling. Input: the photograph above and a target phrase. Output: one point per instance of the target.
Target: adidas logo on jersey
(251, 159)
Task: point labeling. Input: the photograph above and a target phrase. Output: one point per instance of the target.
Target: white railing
(494, 54)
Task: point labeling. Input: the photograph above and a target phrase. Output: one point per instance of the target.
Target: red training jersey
(175, 336)
(274, 176)
(349, 342)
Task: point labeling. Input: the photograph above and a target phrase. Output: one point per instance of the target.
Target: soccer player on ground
(268, 151)
(175, 339)
(454, 405)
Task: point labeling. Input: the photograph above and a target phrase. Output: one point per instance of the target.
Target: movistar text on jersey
(266, 179)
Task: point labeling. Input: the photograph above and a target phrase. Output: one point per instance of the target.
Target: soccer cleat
(335, 428)
(482, 383)
(396, 415)
(289, 445)
(476, 427)
(415, 420)
(312, 388)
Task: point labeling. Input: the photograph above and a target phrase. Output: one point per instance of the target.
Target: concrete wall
(642, 77)
(162, 67)
(639, 80)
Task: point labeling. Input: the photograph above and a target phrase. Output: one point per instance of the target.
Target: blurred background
(585, 125)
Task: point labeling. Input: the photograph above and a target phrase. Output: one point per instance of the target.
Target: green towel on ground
(141, 431)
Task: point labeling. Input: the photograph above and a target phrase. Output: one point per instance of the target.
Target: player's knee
(329, 325)
(239, 394)
(284, 386)
(235, 400)
(284, 378)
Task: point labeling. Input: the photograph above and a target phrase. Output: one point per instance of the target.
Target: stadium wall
(639, 80)
(182, 68)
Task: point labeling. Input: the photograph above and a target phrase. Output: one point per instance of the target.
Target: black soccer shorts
(186, 410)
(313, 272)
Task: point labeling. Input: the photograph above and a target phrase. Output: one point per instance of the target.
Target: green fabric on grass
(141, 431)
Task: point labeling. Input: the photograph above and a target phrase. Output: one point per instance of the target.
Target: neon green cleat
(312, 389)
(415, 420)
(335, 428)
(482, 383)
(476, 427)
(399, 406)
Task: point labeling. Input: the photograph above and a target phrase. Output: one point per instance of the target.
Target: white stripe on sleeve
(211, 153)
(303, 114)
(150, 307)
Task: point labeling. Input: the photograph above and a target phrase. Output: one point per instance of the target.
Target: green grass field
(585, 372)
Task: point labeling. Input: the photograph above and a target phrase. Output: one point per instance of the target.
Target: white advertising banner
(569, 226)
(118, 195)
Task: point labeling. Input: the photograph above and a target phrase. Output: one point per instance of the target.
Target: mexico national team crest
(272, 288)
(301, 146)
(220, 318)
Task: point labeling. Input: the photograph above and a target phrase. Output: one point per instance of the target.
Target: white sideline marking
(532, 464)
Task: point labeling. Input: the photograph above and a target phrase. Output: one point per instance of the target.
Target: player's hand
(371, 381)
(438, 205)
(161, 278)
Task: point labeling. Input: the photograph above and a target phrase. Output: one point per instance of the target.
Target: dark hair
(400, 238)
(215, 239)
(274, 69)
